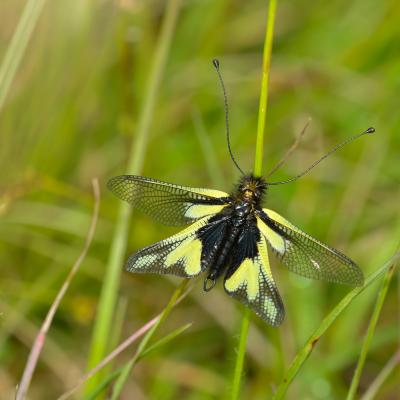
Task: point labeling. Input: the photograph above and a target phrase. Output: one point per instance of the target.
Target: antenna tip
(370, 130)
(215, 62)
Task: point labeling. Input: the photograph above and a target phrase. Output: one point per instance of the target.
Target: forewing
(183, 253)
(249, 278)
(307, 256)
(168, 203)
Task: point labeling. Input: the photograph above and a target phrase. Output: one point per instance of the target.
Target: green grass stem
(17, 47)
(370, 333)
(108, 297)
(241, 352)
(377, 383)
(303, 353)
(40, 339)
(257, 170)
(116, 373)
(123, 377)
(262, 110)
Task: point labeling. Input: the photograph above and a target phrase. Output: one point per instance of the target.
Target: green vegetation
(77, 102)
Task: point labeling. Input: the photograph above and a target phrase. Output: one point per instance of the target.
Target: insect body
(229, 235)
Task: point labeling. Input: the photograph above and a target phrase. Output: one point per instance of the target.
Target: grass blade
(262, 110)
(16, 49)
(166, 339)
(370, 333)
(114, 374)
(258, 160)
(108, 297)
(143, 344)
(131, 339)
(370, 394)
(41, 337)
(237, 375)
(303, 354)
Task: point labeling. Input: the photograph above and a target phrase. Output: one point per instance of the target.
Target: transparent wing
(183, 254)
(307, 256)
(249, 278)
(168, 203)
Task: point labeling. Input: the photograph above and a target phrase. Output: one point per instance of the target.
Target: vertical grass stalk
(262, 109)
(16, 49)
(108, 297)
(257, 170)
(119, 384)
(370, 333)
(38, 344)
(305, 352)
(384, 373)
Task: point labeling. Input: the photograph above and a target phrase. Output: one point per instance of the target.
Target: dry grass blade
(292, 148)
(131, 339)
(41, 337)
(370, 394)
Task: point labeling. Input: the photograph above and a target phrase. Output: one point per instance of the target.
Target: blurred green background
(71, 114)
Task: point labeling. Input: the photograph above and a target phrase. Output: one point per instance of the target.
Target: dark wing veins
(165, 202)
(309, 257)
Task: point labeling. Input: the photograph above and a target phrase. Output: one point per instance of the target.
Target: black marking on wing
(167, 203)
(311, 258)
(254, 286)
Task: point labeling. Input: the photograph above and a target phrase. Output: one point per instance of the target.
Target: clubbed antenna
(216, 66)
(334, 150)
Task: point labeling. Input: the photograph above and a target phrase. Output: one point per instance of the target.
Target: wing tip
(114, 181)
(359, 279)
(357, 276)
(276, 322)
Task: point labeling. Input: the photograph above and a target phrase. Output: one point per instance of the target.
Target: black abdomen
(218, 259)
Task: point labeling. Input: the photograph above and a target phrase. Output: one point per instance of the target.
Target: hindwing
(183, 254)
(304, 255)
(249, 278)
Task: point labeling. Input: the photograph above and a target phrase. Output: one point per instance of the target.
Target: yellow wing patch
(178, 255)
(246, 278)
(189, 254)
(278, 218)
(252, 284)
(283, 221)
(196, 211)
(208, 192)
(306, 255)
(275, 240)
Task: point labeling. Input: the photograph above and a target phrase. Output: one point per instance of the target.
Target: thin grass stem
(377, 383)
(124, 345)
(17, 47)
(257, 171)
(114, 374)
(108, 297)
(370, 333)
(41, 337)
(237, 374)
(304, 353)
(123, 377)
(262, 110)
